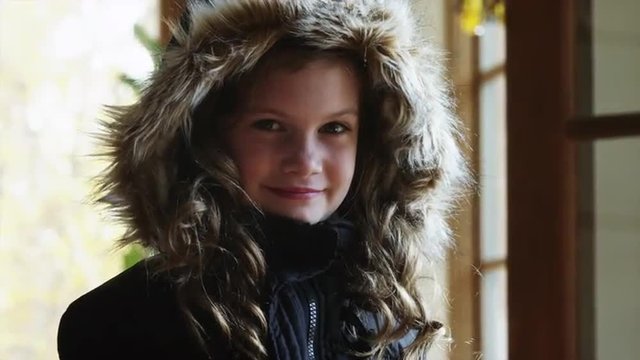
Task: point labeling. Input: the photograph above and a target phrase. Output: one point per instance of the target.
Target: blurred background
(547, 256)
(60, 61)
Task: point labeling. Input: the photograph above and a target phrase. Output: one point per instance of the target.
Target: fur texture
(419, 170)
(226, 38)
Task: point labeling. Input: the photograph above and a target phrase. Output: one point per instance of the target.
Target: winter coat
(419, 168)
(135, 315)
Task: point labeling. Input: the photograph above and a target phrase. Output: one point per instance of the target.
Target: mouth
(295, 193)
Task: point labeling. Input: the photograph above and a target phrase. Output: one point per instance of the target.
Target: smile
(296, 193)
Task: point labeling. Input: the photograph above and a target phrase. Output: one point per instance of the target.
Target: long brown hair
(182, 198)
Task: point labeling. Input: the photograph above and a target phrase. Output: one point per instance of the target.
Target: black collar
(295, 250)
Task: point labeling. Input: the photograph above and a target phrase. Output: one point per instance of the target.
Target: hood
(218, 39)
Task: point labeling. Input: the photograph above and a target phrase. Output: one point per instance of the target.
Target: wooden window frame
(466, 264)
(541, 175)
(550, 180)
(464, 281)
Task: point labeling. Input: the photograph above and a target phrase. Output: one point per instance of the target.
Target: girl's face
(294, 139)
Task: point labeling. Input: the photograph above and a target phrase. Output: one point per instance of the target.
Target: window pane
(617, 248)
(494, 314)
(492, 46)
(493, 185)
(616, 56)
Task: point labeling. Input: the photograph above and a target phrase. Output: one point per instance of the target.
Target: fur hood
(224, 38)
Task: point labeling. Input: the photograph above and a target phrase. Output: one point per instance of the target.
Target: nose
(303, 156)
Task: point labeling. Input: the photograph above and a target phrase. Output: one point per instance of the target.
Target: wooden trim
(494, 72)
(541, 181)
(464, 280)
(463, 276)
(585, 253)
(477, 231)
(493, 265)
(585, 248)
(170, 12)
(604, 126)
(584, 58)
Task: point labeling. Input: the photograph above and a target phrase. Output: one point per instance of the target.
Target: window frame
(465, 262)
(551, 237)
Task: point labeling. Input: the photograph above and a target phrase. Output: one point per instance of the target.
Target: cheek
(244, 155)
(344, 162)
(251, 161)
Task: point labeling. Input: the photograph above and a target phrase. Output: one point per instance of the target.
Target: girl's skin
(294, 139)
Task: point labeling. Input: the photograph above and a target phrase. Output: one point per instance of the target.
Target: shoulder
(123, 293)
(130, 308)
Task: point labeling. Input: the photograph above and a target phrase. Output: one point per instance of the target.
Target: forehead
(319, 86)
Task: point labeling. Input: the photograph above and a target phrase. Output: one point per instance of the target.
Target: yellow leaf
(472, 15)
(499, 10)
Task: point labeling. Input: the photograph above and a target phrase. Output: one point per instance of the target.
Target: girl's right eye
(267, 125)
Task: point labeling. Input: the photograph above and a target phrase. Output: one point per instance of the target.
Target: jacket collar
(295, 250)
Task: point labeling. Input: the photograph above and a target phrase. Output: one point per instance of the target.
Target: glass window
(493, 185)
(616, 55)
(494, 314)
(492, 178)
(617, 248)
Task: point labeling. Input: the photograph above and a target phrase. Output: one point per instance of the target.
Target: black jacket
(418, 170)
(135, 315)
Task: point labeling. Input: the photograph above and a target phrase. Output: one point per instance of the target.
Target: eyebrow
(349, 111)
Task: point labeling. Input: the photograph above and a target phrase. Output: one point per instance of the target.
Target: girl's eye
(267, 124)
(334, 128)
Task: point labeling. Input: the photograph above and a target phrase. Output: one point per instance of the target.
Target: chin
(310, 217)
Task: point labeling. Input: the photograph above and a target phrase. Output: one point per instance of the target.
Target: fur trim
(225, 38)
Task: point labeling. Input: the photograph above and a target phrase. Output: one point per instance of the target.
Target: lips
(295, 193)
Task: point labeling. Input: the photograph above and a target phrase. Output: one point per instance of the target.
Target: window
(478, 282)
(573, 126)
(492, 180)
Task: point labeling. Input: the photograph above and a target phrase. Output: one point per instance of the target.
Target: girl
(290, 166)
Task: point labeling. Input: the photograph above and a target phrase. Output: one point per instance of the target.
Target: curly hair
(182, 198)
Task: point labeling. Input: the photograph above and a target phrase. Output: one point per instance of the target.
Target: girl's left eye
(267, 124)
(334, 128)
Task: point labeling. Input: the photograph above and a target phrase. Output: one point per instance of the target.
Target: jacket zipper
(313, 324)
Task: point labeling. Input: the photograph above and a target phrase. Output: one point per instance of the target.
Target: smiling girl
(294, 135)
(291, 166)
